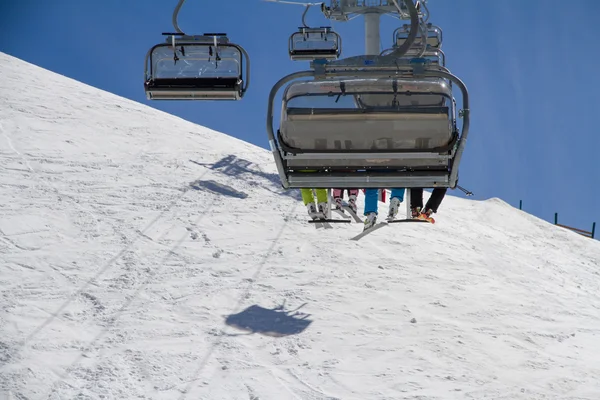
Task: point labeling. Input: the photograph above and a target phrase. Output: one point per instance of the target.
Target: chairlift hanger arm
(414, 27)
(306, 5)
(304, 16)
(175, 14)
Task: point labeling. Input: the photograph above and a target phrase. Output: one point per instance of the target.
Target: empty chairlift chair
(205, 67)
(314, 43)
(379, 132)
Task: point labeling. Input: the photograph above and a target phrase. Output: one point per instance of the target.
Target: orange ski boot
(426, 216)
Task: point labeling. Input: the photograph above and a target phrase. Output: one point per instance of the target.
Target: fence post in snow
(555, 218)
(520, 204)
(593, 229)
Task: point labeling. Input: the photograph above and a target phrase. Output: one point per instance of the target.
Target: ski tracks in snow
(94, 216)
(144, 275)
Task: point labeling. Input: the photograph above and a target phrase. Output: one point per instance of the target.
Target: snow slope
(143, 256)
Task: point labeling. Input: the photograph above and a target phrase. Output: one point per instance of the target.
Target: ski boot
(338, 203)
(323, 209)
(370, 220)
(415, 212)
(426, 216)
(393, 210)
(352, 203)
(312, 211)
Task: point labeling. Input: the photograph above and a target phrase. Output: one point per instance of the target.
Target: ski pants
(340, 193)
(372, 198)
(416, 198)
(308, 197)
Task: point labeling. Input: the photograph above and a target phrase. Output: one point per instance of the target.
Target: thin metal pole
(520, 204)
(407, 199)
(555, 218)
(593, 229)
(328, 216)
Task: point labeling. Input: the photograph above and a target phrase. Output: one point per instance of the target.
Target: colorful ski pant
(371, 198)
(416, 198)
(340, 193)
(308, 197)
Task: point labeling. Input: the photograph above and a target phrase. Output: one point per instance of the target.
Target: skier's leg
(398, 193)
(322, 200)
(337, 198)
(436, 199)
(352, 195)
(309, 202)
(307, 196)
(371, 199)
(416, 201)
(397, 198)
(321, 195)
(416, 197)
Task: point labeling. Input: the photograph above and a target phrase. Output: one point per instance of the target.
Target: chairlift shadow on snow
(275, 322)
(219, 188)
(232, 165)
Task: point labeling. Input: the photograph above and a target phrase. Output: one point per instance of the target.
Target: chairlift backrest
(367, 115)
(193, 60)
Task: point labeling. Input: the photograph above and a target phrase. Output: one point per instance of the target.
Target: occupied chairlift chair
(372, 122)
(199, 67)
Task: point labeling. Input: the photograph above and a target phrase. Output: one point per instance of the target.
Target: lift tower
(344, 10)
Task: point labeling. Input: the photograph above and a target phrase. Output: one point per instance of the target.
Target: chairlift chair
(199, 67)
(369, 128)
(310, 44)
(434, 36)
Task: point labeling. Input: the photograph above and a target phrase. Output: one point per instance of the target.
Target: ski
(314, 221)
(352, 213)
(342, 214)
(380, 225)
(322, 224)
(370, 230)
(321, 221)
(407, 220)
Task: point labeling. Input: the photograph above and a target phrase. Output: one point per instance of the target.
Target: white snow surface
(145, 257)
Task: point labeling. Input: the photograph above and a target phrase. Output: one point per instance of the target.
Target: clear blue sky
(531, 68)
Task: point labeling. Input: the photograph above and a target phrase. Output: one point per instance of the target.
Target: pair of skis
(323, 222)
